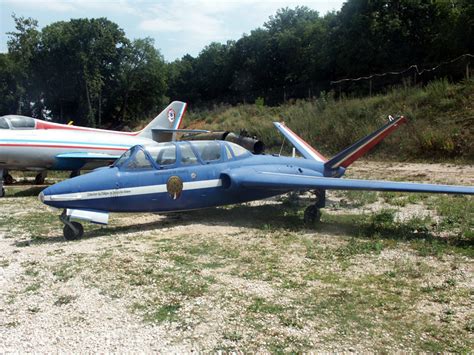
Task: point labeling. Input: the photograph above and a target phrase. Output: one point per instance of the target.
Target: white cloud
(203, 21)
(50, 5)
(73, 6)
(197, 18)
(178, 26)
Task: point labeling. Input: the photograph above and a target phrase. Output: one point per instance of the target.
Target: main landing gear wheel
(312, 215)
(73, 234)
(39, 179)
(8, 179)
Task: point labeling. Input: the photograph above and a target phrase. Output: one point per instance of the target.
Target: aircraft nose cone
(41, 197)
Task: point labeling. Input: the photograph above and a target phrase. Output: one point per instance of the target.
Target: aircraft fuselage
(39, 149)
(182, 187)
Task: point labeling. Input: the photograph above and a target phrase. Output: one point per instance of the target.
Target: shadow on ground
(270, 217)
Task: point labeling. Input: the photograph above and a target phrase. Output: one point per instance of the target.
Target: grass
(33, 287)
(439, 114)
(264, 282)
(358, 198)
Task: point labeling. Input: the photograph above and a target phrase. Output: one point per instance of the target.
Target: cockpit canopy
(180, 154)
(17, 122)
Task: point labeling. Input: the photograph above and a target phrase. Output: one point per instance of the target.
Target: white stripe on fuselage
(291, 175)
(131, 191)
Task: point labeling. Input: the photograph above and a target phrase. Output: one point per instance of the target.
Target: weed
(361, 198)
(232, 336)
(165, 313)
(4, 262)
(33, 287)
(355, 247)
(260, 305)
(65, 299)
(31, 272)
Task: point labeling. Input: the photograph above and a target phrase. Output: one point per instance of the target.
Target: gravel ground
(229, 280)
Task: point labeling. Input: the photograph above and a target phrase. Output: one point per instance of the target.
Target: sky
(178, 27)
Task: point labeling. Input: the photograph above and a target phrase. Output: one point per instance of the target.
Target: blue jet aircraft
(179, 176)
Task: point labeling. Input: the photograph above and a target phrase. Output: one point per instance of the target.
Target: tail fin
(304, 148)
(170, 118)
(355, 151)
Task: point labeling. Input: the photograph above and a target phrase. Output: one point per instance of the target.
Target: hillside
(440, 128)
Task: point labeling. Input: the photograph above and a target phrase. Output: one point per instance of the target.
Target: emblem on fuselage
(174, 186)
(171, 115)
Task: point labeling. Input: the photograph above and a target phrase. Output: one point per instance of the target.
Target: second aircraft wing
(273, 180)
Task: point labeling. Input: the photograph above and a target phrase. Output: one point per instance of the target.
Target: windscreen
(139, 161)
(119, 162)
(163, 153)
(209, 151)
(4, 123)
(22, 122)
(187, 155)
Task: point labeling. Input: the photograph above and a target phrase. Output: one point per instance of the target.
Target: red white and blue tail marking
(304, 148)
(362, 146)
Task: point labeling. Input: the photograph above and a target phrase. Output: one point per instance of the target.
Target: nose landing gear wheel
(312, 215)
(73, 231)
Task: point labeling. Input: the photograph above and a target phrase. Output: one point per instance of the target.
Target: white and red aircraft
(35, 145)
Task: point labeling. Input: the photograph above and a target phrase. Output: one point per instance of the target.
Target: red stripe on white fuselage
(51, 125)
(39, 145)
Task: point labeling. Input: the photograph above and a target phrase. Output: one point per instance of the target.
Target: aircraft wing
(281, 181)
(79, 160)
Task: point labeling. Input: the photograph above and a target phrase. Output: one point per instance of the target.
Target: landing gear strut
(71, 230)
(312, 213)
(2, 190)
(39, 179)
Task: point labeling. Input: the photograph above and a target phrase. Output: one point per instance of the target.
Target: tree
(22, 49)
(77, 60)
(10, 92)
(142, 80)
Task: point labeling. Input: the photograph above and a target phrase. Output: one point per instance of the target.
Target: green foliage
(457, 214)
(330, 125)
(165, 313)
(86, 70)
(297, 50)
(259, 102)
